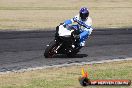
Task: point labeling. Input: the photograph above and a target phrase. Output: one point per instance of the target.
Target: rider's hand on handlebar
(74, 19)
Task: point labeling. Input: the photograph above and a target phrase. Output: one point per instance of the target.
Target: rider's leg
(84, 35)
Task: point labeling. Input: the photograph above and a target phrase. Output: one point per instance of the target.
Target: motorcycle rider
(84, 19)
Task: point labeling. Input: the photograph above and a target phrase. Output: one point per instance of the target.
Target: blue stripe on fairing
(68, 22)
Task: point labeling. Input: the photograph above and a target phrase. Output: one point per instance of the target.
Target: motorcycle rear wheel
(72, 54)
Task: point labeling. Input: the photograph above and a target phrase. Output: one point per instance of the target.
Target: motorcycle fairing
(63, 31)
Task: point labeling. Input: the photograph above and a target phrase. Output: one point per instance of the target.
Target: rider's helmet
(84, 13)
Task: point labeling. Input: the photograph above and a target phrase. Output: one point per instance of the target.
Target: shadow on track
(76, 56)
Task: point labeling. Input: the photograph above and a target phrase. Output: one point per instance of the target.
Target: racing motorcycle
(65, 41)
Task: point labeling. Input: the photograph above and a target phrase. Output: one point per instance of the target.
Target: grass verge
(42, 14)
(67, 77)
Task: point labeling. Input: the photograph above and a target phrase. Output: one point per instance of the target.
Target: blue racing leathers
(84, 31)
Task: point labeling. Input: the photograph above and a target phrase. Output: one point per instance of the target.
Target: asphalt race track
(24, 49)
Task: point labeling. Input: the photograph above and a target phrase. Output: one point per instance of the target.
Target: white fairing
(63, 31)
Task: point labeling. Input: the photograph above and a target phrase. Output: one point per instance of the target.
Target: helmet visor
(84, 16)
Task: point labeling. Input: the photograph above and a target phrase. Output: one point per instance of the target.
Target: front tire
(50, 50)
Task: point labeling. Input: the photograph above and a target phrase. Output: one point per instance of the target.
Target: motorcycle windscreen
(64, 31)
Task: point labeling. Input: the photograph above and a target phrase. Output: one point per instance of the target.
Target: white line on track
(66, 65)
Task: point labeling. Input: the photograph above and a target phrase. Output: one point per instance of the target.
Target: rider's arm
(71, 20)
(89, 25)
(87, 31)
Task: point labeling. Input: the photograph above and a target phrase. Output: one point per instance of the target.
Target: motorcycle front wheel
(50, 51)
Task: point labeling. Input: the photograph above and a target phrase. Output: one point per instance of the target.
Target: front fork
(58, 47)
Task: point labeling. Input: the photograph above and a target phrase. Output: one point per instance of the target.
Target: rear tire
(73, 53)
(50, 50)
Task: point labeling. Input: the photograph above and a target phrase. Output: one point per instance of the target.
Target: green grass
(67, 77)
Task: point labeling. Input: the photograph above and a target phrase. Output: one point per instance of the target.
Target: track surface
(22, 50)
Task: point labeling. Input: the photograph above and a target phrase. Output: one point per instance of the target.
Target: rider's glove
(74, 19)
